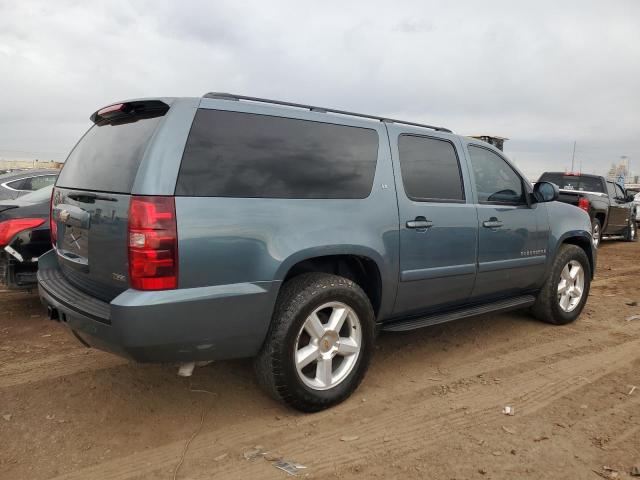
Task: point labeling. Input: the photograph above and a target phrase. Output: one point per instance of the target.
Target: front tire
(319, 344)
(566, 288)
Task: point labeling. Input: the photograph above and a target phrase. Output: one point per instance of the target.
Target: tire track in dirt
(530, 390)
(55, 366)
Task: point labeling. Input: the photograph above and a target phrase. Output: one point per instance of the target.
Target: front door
(438, 224)
(512, 232)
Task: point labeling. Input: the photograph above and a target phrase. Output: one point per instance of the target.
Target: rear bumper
(207, 323)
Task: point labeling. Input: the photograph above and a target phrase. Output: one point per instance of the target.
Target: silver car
(18, 183)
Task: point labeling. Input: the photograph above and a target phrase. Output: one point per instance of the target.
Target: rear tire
(566, 288)
(631, 233)
(311, 365)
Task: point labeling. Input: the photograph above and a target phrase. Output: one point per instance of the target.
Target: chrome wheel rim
(328, 346)
(596, 235)
(632, 226)
(571, 286)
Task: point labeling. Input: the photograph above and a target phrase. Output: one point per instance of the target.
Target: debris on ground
(509, 410)
(509, 430)
(496, 453)
(7, 417)
(291, 468)
(541, 438)
(482, 471)
(633, 389)
(220, 457)
(255, 452)
(349, 438)
(632, 303)
(635, 471)
(633, 317)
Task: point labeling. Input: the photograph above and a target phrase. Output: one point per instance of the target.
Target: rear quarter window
(233, 154)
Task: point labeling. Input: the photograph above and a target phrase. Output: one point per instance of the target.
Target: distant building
(494, 140)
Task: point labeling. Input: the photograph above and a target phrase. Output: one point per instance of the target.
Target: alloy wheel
(328, 346)
(571, 286)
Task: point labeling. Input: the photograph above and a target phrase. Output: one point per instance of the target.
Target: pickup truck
(609, 206)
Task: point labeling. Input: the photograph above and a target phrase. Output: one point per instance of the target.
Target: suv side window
(244, 155)
(430, 169)
(495, 180)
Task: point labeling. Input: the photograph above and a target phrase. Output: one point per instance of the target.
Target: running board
(494, 307)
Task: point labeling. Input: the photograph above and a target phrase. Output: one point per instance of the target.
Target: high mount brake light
(10, 228)
(110, 109)
(584, 204)
(153, 243)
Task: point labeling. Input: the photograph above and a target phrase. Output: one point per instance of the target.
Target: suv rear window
(232, 154)
(574, 182)
(107, 157)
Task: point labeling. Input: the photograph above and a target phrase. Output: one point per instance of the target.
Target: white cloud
(544, 74)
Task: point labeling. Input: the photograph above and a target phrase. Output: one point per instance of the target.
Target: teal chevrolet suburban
(196, 229)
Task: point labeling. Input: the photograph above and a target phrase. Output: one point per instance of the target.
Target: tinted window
(495, 180)
(574, 182)
(107, 157)
(231, 154)
(36, 183)
(430, 169)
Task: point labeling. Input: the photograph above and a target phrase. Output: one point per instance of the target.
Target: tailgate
(90, 203)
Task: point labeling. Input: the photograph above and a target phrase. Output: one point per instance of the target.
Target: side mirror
(630, 197)
(546, 192)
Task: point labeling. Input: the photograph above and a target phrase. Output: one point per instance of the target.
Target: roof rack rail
(234, 97)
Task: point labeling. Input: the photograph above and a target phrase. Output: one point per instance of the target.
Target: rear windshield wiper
(90, 197)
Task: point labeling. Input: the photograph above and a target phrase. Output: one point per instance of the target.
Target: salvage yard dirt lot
(430, 406)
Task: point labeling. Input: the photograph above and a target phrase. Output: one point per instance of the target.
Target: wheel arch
(361, 265)
(584, 241)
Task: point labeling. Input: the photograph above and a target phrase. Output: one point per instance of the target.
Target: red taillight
(153, 243)
(10, 228)
(583, 203)
(53, 226)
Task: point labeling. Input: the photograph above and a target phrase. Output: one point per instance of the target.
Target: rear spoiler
(127, 112)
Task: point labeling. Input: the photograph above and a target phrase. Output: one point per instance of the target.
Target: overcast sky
(543, 75)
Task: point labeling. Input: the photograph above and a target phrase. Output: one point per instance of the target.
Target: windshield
(574, 182)
(38, 196)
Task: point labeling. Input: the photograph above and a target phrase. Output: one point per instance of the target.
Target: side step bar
(494, 307)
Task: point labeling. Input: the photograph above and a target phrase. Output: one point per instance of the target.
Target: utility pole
(573, 156)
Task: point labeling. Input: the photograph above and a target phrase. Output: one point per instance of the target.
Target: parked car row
(196, 229)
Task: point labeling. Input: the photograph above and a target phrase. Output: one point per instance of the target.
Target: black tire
(275, 367)
(547, 308)
(596, 229)
(631, 233)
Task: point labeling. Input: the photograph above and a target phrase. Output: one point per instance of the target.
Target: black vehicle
(609, 205)
(24, 236)
(22, 182)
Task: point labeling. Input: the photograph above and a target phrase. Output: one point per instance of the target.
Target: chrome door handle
(493, 222)
(419, 223)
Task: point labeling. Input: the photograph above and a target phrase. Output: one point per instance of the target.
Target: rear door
(91, 201)
(438, 223)
(512, 232)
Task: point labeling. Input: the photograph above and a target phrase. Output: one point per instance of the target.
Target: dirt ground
(430, 406)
